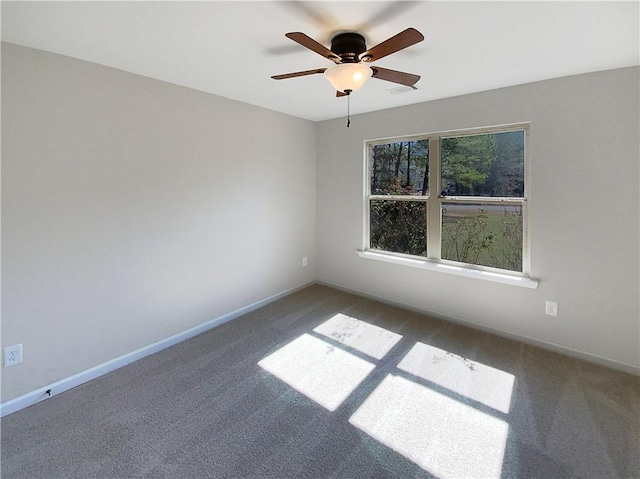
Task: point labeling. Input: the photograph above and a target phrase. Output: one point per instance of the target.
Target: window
(454, 198)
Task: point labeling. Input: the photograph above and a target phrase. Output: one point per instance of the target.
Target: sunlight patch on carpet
(321, 371)
(489, 386)
(371, 340)
(443, 436)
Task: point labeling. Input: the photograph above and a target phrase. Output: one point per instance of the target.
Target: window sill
(522, 281)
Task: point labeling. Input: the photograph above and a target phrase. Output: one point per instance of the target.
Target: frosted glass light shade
(348, 76)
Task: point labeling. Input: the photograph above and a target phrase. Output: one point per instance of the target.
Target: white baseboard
(82, 377)
(549, 346)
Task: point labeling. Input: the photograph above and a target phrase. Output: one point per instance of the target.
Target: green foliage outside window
(484, 165)
(400, 168)
(399, 226)
(486, 235)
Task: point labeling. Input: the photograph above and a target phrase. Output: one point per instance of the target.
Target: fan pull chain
(348, 92)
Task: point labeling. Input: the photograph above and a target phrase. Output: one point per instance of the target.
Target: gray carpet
(324, 384)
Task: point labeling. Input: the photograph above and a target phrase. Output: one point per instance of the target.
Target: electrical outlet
(551, 308)
(12, 355)
(304, 261)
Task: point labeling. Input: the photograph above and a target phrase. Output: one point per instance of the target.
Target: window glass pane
(483, 234)
(399, 226)
(400, 168)
(483, 165)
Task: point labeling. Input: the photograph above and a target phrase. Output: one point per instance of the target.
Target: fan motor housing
(348, 46)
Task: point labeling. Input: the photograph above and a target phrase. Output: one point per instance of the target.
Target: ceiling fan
(349, 53)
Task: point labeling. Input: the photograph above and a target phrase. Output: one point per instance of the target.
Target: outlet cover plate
(12, 355)
(551, 308)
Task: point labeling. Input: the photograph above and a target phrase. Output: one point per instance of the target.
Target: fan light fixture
(348, 77)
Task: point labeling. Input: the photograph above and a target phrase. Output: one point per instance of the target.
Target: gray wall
(584, 158)
(133, 210)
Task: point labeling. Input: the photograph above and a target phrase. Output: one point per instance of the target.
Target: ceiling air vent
(401, 89)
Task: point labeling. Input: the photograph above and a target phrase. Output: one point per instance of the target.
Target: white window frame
(434, 202)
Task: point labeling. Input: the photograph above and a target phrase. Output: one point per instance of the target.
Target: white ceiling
(232, 48)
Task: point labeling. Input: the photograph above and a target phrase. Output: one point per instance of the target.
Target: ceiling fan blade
(395, 76)
(311, 44)
(402, 40)
(386, 14)
(339, 94)
(311, 11)
(298, 74)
